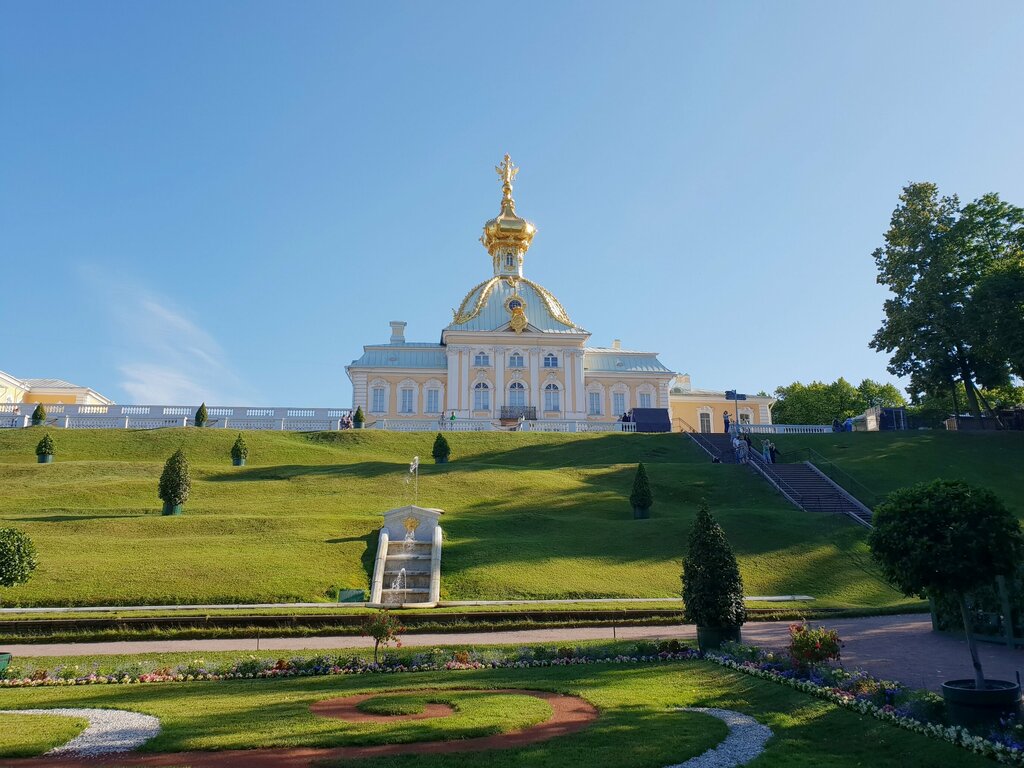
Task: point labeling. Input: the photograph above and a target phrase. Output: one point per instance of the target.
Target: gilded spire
(507, 237)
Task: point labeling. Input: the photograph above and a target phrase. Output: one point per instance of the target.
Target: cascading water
(401, 586)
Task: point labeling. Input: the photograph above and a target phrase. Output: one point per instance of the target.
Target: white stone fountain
(407, 569)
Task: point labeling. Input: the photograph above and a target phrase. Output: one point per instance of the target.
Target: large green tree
(936, 254)
(820, 402)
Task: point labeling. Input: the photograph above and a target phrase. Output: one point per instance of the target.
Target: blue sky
(225, 201)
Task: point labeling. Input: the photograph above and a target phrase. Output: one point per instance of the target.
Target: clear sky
(224, 201)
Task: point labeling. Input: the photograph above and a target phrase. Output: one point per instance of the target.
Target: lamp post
(735, 396)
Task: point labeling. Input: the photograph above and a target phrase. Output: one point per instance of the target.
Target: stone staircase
(407, 569)
(803, 484)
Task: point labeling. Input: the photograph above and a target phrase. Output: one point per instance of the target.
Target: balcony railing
(528, 412)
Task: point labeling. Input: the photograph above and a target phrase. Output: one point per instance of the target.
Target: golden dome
(507, 234)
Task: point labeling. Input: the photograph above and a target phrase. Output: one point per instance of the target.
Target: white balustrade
(786, 429)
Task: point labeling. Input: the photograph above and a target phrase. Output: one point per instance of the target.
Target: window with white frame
(745, 417)
(645, 399)
(550, 360)
(515, 360)
(516, 394)
(482, 359)
(551, 397)
(481, 397)
(407, 396)
(377, 403)
(705, 422)
(594, 403)
(618, 403)
(433, 401)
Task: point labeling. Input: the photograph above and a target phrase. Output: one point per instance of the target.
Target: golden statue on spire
(507, 171)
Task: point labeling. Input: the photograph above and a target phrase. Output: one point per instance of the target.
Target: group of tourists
(742, 446)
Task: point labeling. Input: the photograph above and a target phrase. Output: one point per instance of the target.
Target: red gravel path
(569, 715)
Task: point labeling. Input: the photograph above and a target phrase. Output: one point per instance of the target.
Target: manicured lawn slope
(636, 725)
(526, 515)
(885, 461)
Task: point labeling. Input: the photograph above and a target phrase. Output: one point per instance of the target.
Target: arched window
(516, 394)
(481, 397)
(482, 359)
(550, 360)
(551, 398)
(515, 360)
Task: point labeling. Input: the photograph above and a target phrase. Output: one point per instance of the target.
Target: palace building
(512, 350)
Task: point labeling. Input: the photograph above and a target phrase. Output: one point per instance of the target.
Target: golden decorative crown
(507, 230)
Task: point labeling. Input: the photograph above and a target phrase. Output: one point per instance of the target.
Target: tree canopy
(948, 267)
(820, 403)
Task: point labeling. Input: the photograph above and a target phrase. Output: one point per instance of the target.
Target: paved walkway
(893, 647)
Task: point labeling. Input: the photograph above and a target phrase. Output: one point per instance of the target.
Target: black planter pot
(45, 458)
(38, 422)
(238, 462)
(172, 509)
(641, 513)
(968, 706)
(711, 638)
(357, 424)
(442, 460)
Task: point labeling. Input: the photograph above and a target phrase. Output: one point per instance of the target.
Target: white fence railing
(64, 416)
(786, 429)
(434, 425)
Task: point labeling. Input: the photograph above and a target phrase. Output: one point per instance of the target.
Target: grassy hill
(526, 515)
(885, 461)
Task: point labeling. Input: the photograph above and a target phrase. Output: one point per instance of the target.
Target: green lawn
(636, 725)
(29, 735)
(885, 461)
(526, 516)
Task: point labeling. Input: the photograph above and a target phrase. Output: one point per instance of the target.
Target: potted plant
(641, 497)
(202, 416)
(441, 450)
(44, 450)
(948, 539)
(175, 483)
(358, 418)
(239, 451)
(712, 587)
(38, 415)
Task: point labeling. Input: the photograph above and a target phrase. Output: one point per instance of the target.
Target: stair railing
(840, 477)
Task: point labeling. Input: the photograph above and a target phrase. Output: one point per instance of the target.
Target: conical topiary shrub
(175, 483)
(441, 450)
(641, 497)
(712, 587)
(202, 416)
(239, 451)
(358, 418)
(38, 415)
(17, 557)
(44, 450)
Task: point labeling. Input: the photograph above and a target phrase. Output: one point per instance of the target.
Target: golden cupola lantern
(507, 236)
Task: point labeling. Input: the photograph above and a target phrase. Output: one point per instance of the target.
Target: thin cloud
(171, 359)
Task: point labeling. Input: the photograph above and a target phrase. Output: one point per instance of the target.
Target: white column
(465, 390)
(453, 378)
(570, 389)
(581, 394)
(498, 356)
(535, 395)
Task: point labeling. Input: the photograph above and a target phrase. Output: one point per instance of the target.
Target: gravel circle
(745, 741)
(109, 731)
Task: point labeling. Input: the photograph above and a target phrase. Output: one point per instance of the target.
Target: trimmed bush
(948, 539)
(38, 415)
(641, 497)
(202, 416)
(358, 417)
(441, 450)
(45, 446)
(17, 557)
(176, 480)
(239, 451)
(712, 587)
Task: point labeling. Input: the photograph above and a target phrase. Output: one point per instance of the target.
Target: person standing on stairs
(773, 452)
(725, 418)
(765, 451)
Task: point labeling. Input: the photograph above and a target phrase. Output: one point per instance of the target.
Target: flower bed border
(954, 735)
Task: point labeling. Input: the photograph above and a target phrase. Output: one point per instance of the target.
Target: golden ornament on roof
(507, 231)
